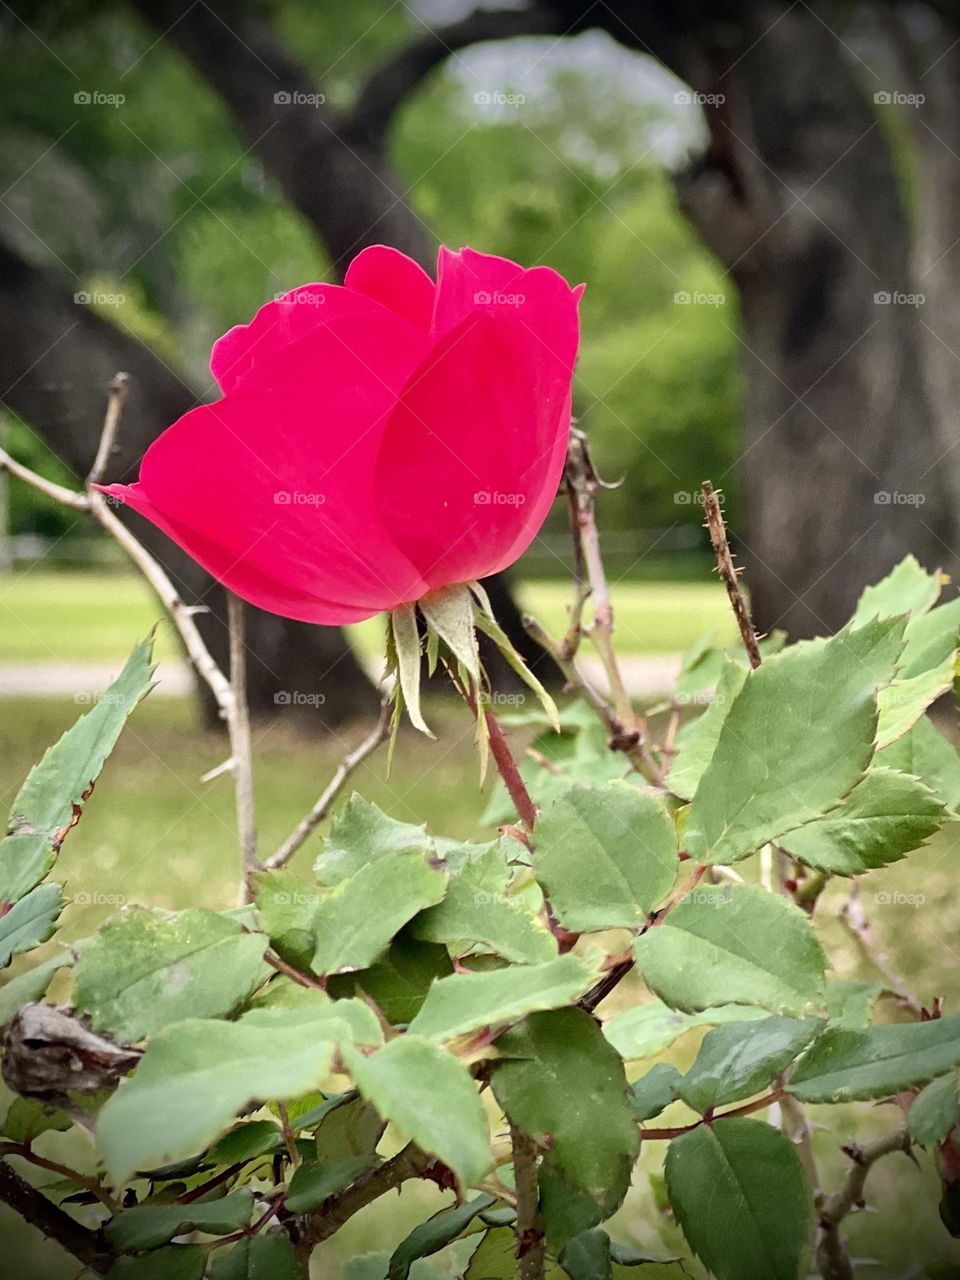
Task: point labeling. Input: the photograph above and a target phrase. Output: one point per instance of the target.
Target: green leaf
(926, 754)
(847, 1066)
(435, 1234)
(907, 588)
(697, 740)
(884, 817)
(449, 612)
(315, 1182)
(431, 1098)
(147, 969)
(654, 1091)
(51, 799)
(478, 909)
(30, 921)
(149, 1225)
(399, 981)
(348, 1130)
(362, 833)
(285, 910)
(495, 1258)
(904, 701)
(934, 1111)
(466, 1002)
(797, 738)
(270, 1256)
(356, 920)
(30, 986)
(485, 621)
(28, 1118)
(606, 856)
(562, 1083)
(172, 1262)
(247, 1142)
(592, 1255)
(197, 1075)
(407, 647)
(741, 1198)
(850, 1002)
(741, 1059)
(648, 1029)
(738, 945)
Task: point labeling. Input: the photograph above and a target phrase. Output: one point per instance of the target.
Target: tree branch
(34, 1207)
(320, 810)
(241, 752)
(833, 1262)
(531, 1250)
(728, 572)
(400, 75)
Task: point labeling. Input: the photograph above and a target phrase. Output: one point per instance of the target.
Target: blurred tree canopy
(169, 224)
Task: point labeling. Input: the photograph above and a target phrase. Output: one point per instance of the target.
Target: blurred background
(764, 201)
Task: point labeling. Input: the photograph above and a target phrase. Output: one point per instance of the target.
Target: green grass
(81, 616)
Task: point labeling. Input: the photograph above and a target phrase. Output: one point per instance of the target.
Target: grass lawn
(154, 834)
(83, 616)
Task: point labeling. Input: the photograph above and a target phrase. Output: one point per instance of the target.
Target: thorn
(228, 766)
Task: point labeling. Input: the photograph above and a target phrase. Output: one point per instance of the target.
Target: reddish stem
(507, 766)
(748, 1108)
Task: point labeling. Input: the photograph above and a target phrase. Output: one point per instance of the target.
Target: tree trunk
(798, 198)
(58, 358)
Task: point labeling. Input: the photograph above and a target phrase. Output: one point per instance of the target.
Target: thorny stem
(833, 1262)
(507, 768)
(238, 724)
(320, 810)
(531, 1250)
(773, 864)
(409, 1163)
(92, 1185)
(289, 1137)
(747, 1109)
(728, 571)
(301, 979)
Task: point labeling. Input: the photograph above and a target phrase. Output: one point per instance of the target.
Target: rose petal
(275, 482)
(391, 278)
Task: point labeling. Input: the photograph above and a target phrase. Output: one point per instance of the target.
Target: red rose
(376, 441)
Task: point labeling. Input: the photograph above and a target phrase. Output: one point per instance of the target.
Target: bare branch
(854, 917)
(320, 810)
(238, 723)
(34, 1207)
(833, 1262)
(67, 497)
(396, 78)
(108, 436)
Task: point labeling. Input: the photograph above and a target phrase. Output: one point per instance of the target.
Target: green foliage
(440, 1003)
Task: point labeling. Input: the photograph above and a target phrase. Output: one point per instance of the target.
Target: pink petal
(271, 488)
(391, 278)
(473, 453)
(247, 348)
